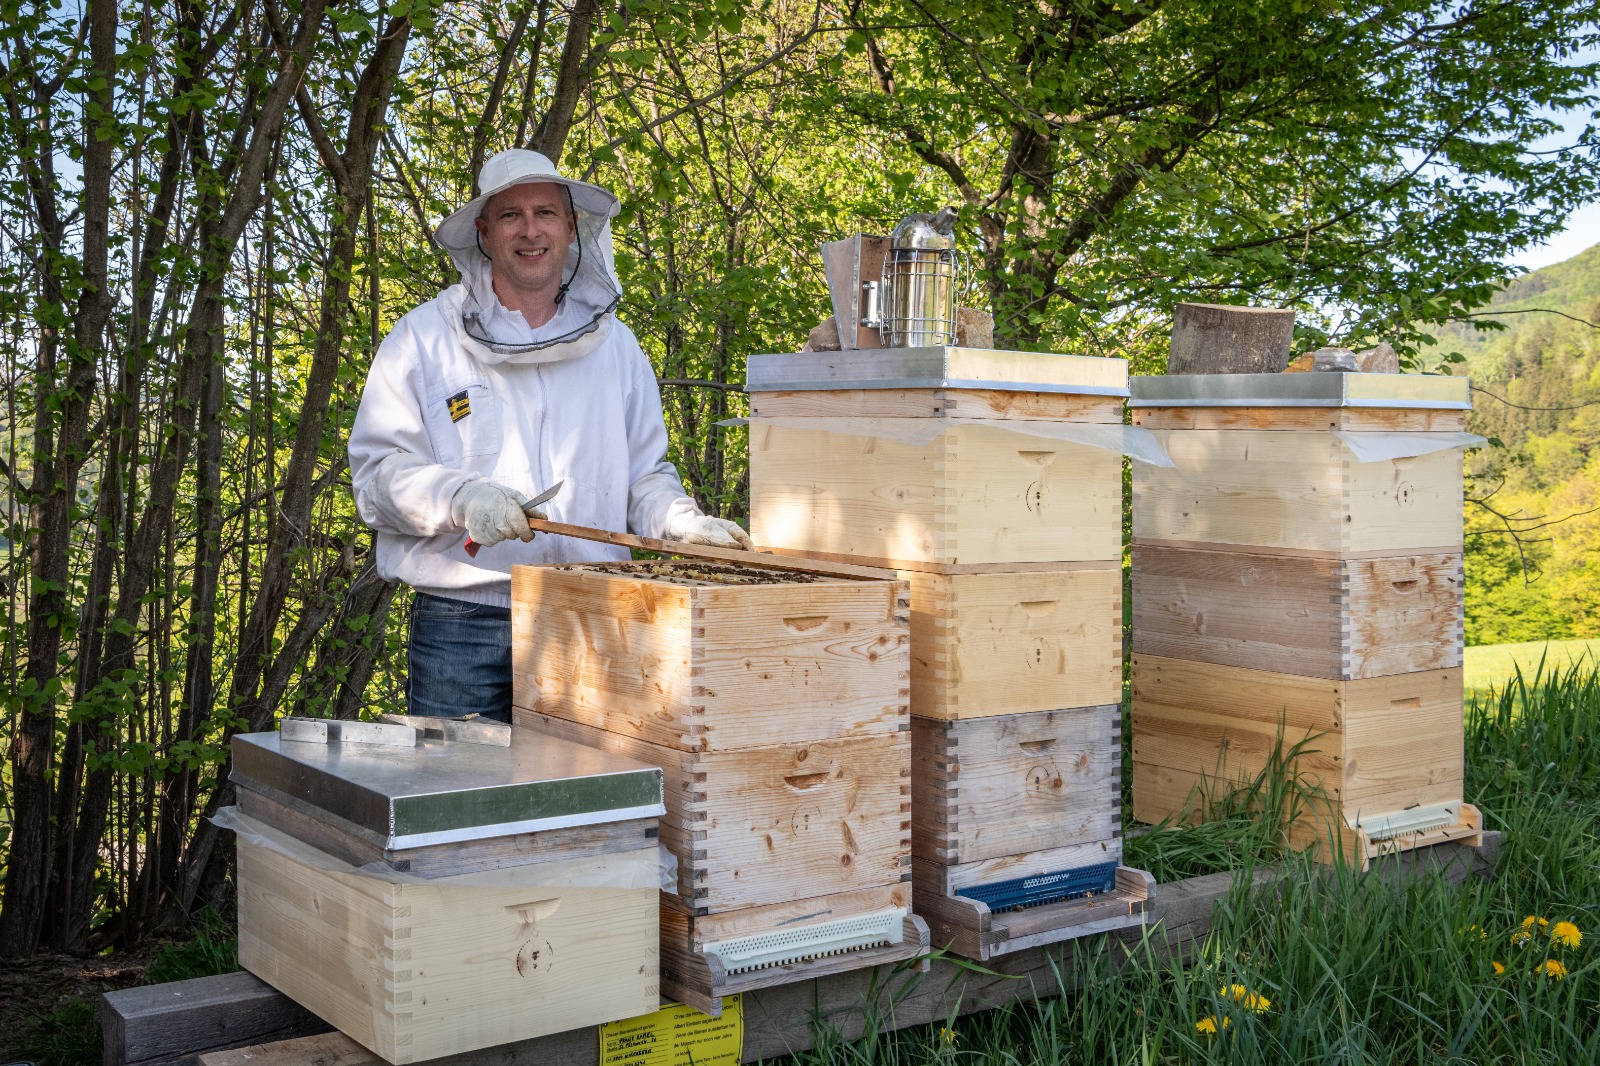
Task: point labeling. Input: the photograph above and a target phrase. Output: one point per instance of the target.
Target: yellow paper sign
(676, 1035)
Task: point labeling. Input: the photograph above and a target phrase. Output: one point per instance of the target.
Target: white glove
(714, 532)
(494, 513)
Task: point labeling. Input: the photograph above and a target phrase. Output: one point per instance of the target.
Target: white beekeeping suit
(463, 390)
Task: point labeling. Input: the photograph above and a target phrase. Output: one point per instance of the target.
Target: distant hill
(1572, 287)
(1538, 384)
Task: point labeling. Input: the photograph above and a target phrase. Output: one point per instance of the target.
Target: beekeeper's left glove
(713, 532)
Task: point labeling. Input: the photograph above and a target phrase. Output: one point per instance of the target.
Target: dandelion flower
(1531, 920)
(1566, 934)
(1520, 938)
(1208, 1025)
(1499, 968)
(948, 1036)
(1554, 970)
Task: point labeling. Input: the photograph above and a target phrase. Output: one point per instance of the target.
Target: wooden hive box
(974, 495)
(985, 788)
(1299, 491)
(1008, 643)
(1371, 748)
(419, 971)
(1313, 616)
(773, 824)
(711, 656)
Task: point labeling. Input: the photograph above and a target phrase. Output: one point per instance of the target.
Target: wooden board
(967, 927)
(414, 972)
(706, 666)
(937, 403)
(984, 788)
(690, 976)
(1381, 419)
(988, 644)
(1318, 617)
(974, 494)
(1371, 745)
(344, 840)
(1296, 490)
(774, 824)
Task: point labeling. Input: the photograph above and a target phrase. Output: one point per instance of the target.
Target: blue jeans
(458, 659)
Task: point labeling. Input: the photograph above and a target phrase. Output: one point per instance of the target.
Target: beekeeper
(517, 378)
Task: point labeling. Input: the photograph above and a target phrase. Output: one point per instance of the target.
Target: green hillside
(1539, 382)
(1572, 287)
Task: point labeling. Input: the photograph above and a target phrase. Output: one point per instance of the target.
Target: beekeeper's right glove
(493, 513)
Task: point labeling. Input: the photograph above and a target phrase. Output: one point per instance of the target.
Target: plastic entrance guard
(676, 1035)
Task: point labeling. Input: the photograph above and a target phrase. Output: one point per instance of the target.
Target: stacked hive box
(993, 482)
(432, 898)
(1298, 572)
(775, 704)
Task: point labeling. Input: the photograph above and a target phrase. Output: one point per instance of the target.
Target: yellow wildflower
(1499, 967)
(1530, 921)
(948, 1036)
(1554, 970)
(1468, 931)
(1566, 934)
(1208, 1025)
(1520, 938)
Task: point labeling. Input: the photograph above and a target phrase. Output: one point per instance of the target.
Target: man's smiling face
(525, 230)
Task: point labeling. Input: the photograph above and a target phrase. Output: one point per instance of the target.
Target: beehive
(1298, 573)
(993, 482)
(438, 898)
(775, 704)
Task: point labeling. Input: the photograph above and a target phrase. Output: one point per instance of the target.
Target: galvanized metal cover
(441, 792)
(939, 367)
(1302, 390)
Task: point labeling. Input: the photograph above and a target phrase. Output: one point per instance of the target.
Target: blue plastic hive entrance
(1045, 888)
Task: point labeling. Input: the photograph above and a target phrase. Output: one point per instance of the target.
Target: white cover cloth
(593, 420)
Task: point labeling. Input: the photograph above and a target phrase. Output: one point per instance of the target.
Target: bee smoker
(911, 301)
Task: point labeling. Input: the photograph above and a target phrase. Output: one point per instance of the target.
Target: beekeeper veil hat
(590, 289)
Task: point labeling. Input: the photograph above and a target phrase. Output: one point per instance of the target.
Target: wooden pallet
(773, 824)
(975, 494)
(690, 975)
(711, 657)
(983, 788)
(1007, 643)
(417, 971)
(1302, 491)
(1317, 617)
(968, 927)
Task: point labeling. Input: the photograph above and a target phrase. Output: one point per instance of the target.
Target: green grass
(1492, 665)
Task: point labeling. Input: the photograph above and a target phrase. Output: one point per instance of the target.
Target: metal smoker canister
(919, 282)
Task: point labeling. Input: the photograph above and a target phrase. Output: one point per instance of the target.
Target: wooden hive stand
(1287, 592)
(1010, 540)
(775, 703)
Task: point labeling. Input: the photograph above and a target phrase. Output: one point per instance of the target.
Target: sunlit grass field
(1495, 664)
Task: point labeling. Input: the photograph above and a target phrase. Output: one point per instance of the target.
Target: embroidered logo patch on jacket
(460, 406)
